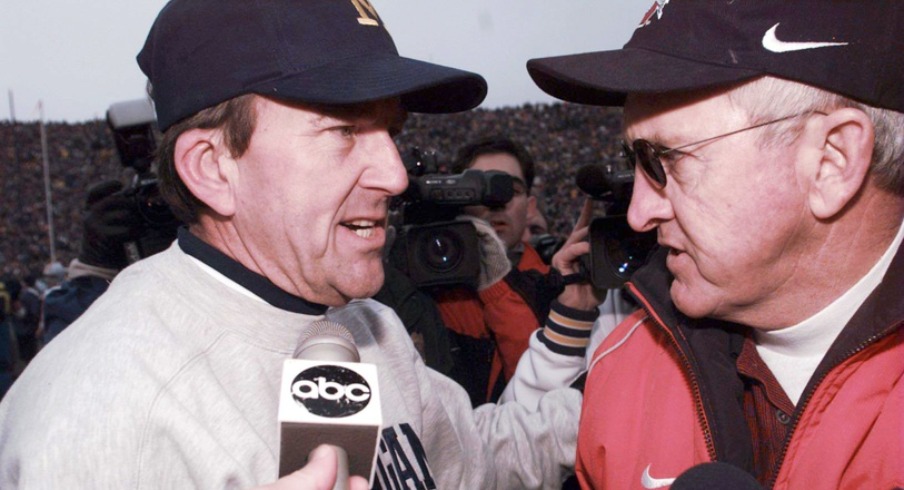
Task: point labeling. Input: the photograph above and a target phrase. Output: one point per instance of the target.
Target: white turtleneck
(793, 353)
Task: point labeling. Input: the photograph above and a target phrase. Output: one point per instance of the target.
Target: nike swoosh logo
(772, 43)
(649, 482)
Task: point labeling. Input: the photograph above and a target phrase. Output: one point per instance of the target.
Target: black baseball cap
(203, 52)
(851, 47)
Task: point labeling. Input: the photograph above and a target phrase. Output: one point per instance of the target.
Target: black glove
(112, 221)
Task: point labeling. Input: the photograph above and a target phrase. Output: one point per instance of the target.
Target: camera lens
(617, 251)
(441, 250)
(627, 254)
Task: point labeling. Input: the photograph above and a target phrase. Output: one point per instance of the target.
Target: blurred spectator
(54, 273)
(66, 302)
(26, 318)
(9, 348)
(111, 221)
(536, 224)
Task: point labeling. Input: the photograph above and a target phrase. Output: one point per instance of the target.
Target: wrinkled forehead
(680, 110)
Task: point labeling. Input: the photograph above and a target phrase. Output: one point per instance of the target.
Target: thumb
(319, 474)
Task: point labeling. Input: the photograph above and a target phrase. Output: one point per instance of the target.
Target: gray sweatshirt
(171, 380)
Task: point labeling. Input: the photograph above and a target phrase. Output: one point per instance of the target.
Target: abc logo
(331, 391)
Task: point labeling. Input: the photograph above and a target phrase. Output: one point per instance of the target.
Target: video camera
(616, 251)
(431, 247)
(132, 124)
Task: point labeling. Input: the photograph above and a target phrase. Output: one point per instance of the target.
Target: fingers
(581, 226)
(578, 235)
(565, 260)
(102, 190)
(318, 474)
(357, 483)
(582, 296)
(586, 214)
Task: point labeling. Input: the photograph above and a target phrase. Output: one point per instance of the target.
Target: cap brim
(604, 78)
(423, 87)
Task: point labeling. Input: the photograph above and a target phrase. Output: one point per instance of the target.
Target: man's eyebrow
(518, 179)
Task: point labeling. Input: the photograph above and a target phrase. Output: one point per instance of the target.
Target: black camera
(616, 250)
(431, 247)
(132, 124)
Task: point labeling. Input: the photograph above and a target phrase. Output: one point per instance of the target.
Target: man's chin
(366, 287)
(690, 302)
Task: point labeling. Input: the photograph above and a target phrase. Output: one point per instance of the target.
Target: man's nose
(387, 169)
(649, 206)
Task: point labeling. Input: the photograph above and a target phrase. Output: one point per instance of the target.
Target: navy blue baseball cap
(203, 52)
(850, 47)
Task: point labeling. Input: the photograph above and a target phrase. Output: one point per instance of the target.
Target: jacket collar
(710, 347)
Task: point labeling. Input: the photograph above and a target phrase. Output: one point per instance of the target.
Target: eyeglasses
(649, 155)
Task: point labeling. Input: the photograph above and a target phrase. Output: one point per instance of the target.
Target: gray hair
(769, 98)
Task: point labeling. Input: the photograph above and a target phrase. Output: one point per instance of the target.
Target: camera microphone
(591, 179)
(328, 397)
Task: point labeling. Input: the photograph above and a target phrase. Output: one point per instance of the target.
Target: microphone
(605, 183)
(591, 179)
(328, 397)
(715, 476)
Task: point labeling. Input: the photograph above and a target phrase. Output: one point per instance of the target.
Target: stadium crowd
(83, 154)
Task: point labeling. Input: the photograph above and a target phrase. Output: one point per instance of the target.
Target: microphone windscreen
(326, 341)
(713, 476)
(592, 181)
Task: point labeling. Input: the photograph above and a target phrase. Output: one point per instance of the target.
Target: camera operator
(111, 221)
(122, 224)
(492, 326)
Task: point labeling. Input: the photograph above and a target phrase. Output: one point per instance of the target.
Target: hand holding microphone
(321, 473)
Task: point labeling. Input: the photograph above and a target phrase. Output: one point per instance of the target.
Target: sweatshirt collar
(257, 284)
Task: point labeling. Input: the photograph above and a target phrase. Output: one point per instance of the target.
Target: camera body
(132, 124)
(431, 247)
(616, 250)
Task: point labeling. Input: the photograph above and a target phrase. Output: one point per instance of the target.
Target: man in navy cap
(767, 142)
(278, 119)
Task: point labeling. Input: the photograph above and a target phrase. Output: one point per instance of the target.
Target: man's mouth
(362, 227)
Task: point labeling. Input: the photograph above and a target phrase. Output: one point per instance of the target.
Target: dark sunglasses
(649, 155)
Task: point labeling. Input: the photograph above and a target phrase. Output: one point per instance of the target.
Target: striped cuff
(567, 330)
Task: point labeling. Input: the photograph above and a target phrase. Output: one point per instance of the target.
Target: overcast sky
(78, 56)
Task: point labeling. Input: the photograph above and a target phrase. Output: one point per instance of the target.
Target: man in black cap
(277, 152)
(767, 142)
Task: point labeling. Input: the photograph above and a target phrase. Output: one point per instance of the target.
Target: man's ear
(846, 139)
(207, 168)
